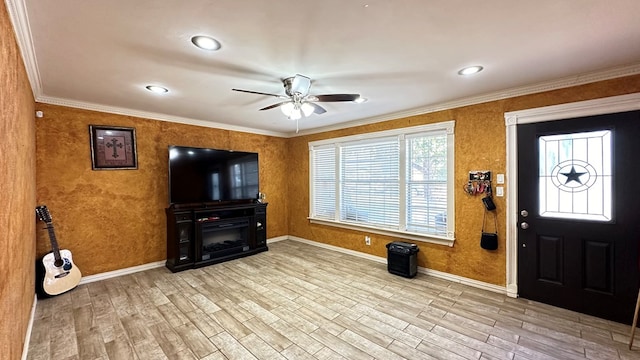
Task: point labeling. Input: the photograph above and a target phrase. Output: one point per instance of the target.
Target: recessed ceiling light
(157, 89)
(470, 70)
(206, 42)
(360, 100)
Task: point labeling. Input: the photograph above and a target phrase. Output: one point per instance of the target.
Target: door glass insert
(575, 178)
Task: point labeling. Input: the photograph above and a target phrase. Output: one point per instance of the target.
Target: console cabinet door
(185, 243)
(261, 225)
(180, 240)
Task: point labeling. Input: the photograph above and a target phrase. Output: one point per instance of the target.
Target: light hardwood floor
(299, 301)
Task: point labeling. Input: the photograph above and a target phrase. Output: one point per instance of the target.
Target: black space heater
(402, 258)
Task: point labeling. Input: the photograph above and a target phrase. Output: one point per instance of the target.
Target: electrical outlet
(367, 240)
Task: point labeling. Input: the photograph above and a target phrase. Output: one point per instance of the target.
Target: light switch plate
(500, 179)
(499, 191)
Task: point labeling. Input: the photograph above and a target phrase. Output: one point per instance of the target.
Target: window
(396, 182)
(575, 178)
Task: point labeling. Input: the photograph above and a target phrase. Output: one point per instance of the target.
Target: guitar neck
(54, 242)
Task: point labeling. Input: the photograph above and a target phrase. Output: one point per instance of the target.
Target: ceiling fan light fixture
(206, 43)
(307, 109)
(286, 108)
(470, 70)
(295, 111)
(296, 114)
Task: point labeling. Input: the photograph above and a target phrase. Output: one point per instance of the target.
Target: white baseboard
(27, 336)
(143, 267)
(276, 239)
(339, 249)
(464, 280)
(435, 273)
(120, 272)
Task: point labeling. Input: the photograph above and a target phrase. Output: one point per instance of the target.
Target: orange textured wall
(17, 194)
(480, 141)
(113, 219)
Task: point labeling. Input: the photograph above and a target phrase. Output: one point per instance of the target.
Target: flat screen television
(199, 175)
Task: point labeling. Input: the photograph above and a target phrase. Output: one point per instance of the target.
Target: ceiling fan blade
(336, 97)
(300, 84)
(260, 93)
(317, 108)
(274, 105)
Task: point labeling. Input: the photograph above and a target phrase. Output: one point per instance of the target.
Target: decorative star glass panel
(575, 178)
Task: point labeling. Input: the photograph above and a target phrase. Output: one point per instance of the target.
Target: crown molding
(565, 82)
(613, 104)
(154, 116)
(494, 96)
(498, 95)
(18, 15)
(19, 18)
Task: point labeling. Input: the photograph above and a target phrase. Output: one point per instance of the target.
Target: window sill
(395, 233)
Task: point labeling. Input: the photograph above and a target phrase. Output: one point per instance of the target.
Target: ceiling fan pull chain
(297, 126)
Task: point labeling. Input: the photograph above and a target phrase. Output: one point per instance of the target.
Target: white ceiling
(402, 55)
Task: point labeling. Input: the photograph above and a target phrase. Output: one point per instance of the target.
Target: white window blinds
(369, 183)
(324, 182)
(427, 183)
(397, 181)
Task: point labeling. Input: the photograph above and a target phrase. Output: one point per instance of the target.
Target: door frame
(601, 106)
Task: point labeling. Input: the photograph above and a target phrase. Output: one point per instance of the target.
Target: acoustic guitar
(55, 273)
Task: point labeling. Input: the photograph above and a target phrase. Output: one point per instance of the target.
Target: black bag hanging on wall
(489, 240)
(489, 204)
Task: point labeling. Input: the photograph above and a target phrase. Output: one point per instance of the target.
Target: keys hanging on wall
(478, 187)
(479, 183)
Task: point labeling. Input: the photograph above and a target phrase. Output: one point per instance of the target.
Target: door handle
(524, 213)
(524, 225)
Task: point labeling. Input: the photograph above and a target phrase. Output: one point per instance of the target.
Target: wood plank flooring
(299, 301)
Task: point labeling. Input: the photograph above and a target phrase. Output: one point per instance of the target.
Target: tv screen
(206, 175)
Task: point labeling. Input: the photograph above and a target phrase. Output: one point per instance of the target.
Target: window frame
(445, 127)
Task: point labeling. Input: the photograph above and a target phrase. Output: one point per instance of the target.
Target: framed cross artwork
(113, 148)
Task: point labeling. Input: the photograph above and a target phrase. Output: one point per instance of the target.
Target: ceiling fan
(299, 102)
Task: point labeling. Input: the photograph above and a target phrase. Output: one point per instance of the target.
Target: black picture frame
(113, 148)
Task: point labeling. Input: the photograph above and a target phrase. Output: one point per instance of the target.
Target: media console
(204, 234)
